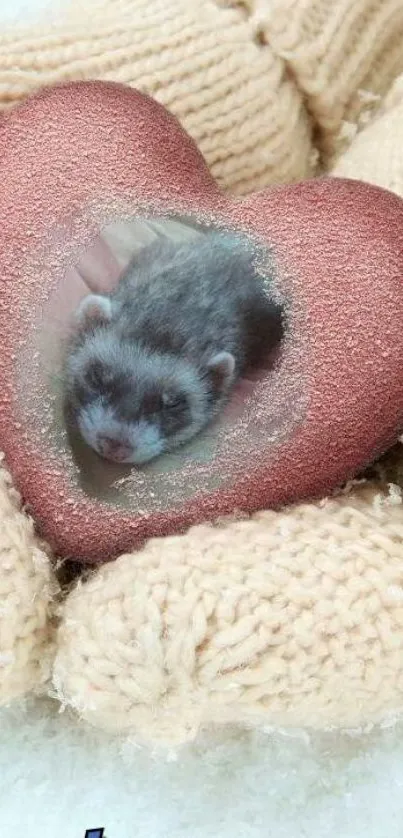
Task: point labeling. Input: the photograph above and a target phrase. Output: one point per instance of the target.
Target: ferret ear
(221, 369)
(94, 310)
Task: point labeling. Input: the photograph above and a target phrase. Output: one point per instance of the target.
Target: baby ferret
(150, 364)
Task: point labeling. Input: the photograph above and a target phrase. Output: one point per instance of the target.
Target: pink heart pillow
(80, 156)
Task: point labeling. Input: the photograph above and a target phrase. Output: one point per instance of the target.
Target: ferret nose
(113, 449)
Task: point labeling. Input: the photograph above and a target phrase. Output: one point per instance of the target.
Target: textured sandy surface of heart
(83, 155)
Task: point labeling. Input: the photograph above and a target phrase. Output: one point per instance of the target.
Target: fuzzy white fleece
(59, 778)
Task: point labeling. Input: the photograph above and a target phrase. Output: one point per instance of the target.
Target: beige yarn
(291, 619)
(344, 56)
(27, 588)
(376, 155)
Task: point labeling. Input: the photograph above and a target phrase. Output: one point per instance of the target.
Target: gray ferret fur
(150, 364)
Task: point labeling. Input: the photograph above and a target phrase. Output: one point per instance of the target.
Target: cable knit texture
(343, 55)
(292, 618)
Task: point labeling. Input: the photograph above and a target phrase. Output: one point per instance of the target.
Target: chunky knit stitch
(293, 619)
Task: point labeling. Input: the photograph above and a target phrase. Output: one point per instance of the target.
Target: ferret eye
(173, 401)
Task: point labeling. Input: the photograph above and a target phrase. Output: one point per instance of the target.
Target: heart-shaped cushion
(79, 156)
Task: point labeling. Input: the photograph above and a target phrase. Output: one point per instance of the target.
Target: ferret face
(129, 404)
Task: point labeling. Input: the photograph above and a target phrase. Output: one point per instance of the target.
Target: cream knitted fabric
(376, 154)
(27, 587)
(291, 619)
(344, 55)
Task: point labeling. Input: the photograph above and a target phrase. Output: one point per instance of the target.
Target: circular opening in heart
(260, 412)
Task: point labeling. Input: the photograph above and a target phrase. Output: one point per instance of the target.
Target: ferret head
(131, 404)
